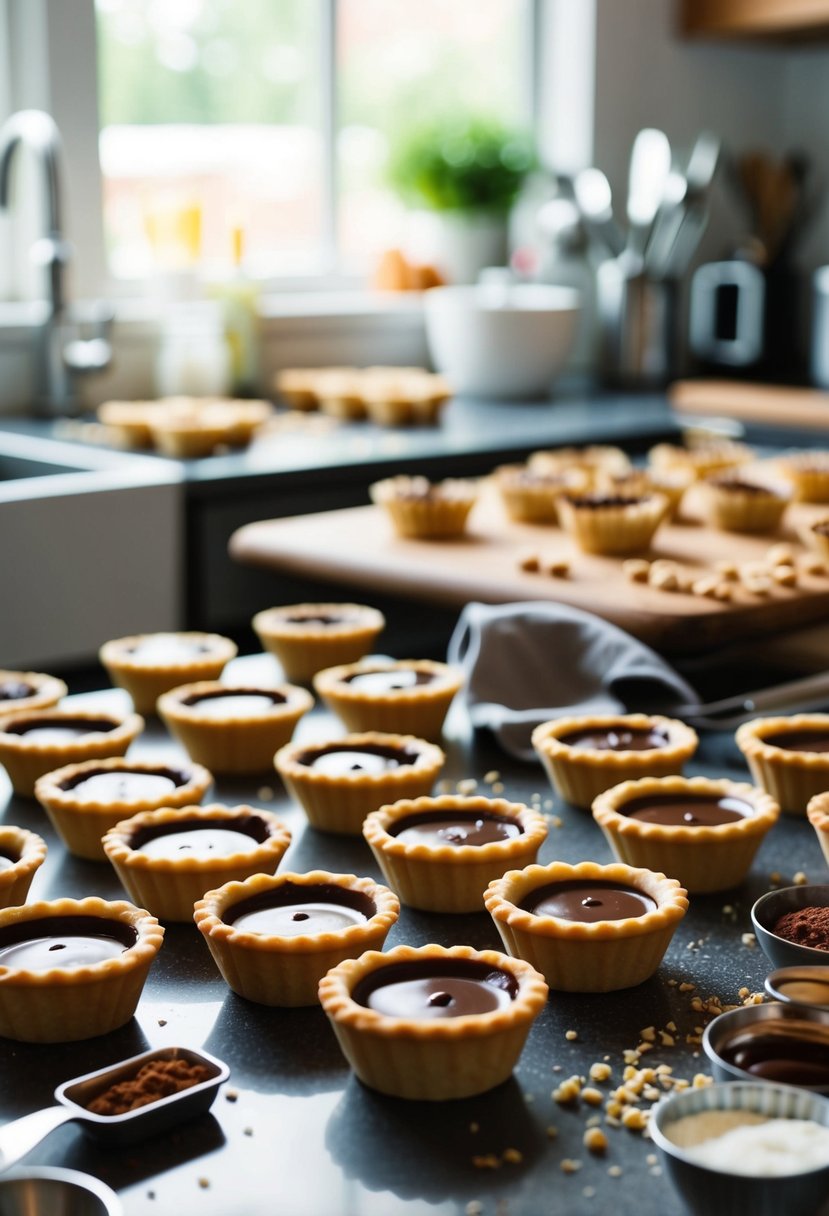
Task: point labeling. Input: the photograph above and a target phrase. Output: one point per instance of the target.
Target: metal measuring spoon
(800, 986)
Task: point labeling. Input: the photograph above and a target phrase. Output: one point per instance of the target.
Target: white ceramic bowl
(501, 341)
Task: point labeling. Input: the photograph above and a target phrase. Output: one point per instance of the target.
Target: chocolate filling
(338, 758)
(266, 696)
(435, 988)
(131, 780)
(578, 900)
(315, 619)
(743, 487)
(455, 828)
(15, 690)
(597, 502)
(293, 909)
(616, 738)
(252, 826)
(794, 1052)
(63, 941)
(57, 730)
(799, 740)
(686, 810)
(389, 681)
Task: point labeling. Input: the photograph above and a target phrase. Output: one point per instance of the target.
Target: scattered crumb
(467, 786)
(497, 787)
(558, 567)
(651, 1159)
(800, 879)
(615, 1171)
(571, 1035)
(162, 1021)
(663, 580)
(786, 576)
(529, 562)
(204, 1183)
(265, 793)
(474, 1128)
(568, 1091)
(492, 776)
(552, 1131)
(592, 1096)
(655, 1171)
(248, 1131)
(569, 1166)
(474, 1208)
(513, 1156)
(636, 569)
(727, 570)
(487, 1162)
(600, 1072)
(232, 1095)
(595, 1141)
(748, 939)
(151, 1194)
(589, 1192)
(780, 555)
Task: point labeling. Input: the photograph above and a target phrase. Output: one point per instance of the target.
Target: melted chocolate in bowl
(295, 909)
(60, 730)
(389, 681)
(455, 828)
(63, 941)
(687, 810)
(788, 1051)
(124, 785)
(577, 900)
(15, 690)
(616, 738)
(165, 648)
(435, 988)
(237, 703)
(200, 839)
(336, 760)
(799, 740)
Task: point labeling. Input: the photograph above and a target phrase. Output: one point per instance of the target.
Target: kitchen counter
(301, 1136)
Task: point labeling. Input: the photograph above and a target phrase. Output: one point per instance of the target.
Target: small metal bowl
(767, 911)
(719, 1032)
(714, 1192)
(45, 1192)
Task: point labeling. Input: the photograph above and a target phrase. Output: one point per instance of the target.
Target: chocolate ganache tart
(273, 939)
(432, 1023)
(440, 853)
(583, 756)
(306, 638)
(531, 495)
(85, 800)
(150, 664)
(339, 782)
(788, 757)
(233, 728)
(168, 858)
(703, 831)
(421, 509)
(734, 503)
(22, 853)
(73, 969)
(608, 522)
(587, 927)
(29, 690)
(405, 696)
(36, 741)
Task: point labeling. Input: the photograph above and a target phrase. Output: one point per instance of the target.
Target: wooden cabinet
(781, 19)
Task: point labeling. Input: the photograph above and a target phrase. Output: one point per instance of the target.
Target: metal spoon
(593, 197)
(650, 164)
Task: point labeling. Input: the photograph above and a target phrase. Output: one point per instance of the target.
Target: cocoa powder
(807, 926)
(154, 1080)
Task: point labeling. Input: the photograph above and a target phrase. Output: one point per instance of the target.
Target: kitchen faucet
(59, 357)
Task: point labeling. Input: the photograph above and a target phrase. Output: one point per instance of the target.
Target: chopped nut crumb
(701, 1080)
(595, 1141)
(663, 580)
(800, 879)
(488, 1161)
(706, 586)
(467, 786)
(589, 1192)
(497, 787)
(571, 1035)
(812, 565)
(530, 562)
(636, 569)
(568, 1091)
(593, 1097)
(786, 576)
(474, 1208)
(685, 986)
(614, 1171)
(666, 1039)
(204, 1183)
(780, 555)
(648, 1034)
(232, 1095)
(492, 776)
(569, 1166)
(558, 567)
(600, 1072)
(513, 1156)
(635, 1119)
(748, 939)
(552, 1131)
(474, 1127)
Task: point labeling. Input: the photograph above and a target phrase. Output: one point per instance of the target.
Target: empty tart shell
(27, 852)
(735, 504)
(419, 508)
(818, 814)
(610, 523)
(580, 774)
(416, 710)
(65, 1004)
(808, 475)
(702, 858)
(340, 802)
(146, 681)
(81, 822)
(531, 495)
(39, 691)
(306, 638)
(272, 969)
(435, 1060)
(26, 759)
(577, 956)
(231, 742)
(450, 878)
(170, 886)
(790, 776)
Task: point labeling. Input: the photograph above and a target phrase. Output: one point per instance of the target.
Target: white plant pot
(459, 244)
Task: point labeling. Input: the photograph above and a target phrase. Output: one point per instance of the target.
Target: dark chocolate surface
(337, 758)
(799, 740)
(59, 730)
(426, 990)
(296, 908)
(63, 941)
(455, 828)
(389, 681)
(127, 784)
(587, 901)
(686, 810)
(616, 738)
(230, 698)
(252, 826)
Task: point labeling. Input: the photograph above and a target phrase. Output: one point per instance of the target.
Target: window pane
(210, 118)
(400, 60)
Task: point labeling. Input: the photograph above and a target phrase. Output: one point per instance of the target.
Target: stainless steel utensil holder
(637, 325)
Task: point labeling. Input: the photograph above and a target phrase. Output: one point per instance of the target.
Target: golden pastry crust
(229, 741)
(26, 759)
(672, 483)
(593, 461)
(297, 386)
(46, 691)
(417, 710)
(789, 776)
(146, 681)
(29, 851)
(130, 421)
(816, 535)
(735, 504)
(65, 1004)
(285, 971)
(701, 459)
(170, 886)
(703, 858)
(818, 814)
(304, 644)
(340, 802)
(808, 474)
(403, 396)
(579, 775)
(577, 956)
(435, 1060)
(421, 509)
(450, 878)
(531, 495)
(82, 822)
(610, 525)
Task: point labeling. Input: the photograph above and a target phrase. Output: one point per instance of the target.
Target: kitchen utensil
(800, 985)
(819, 354)
(650, 164)
(767, 911)
(56, 1192)
(727, 313)
(593, 197)
(736, 1021)
(73, 1097)
(637, 324)
(666, 224)
(699, 176)
(795, 696)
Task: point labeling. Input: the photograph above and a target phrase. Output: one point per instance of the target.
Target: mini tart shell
(170, 886)
(789, 776)
(730, 508)
(25, 760)
(340, 802)
(701, 460)
(531, 495)
(450, 878)
(702, 858)
(233, 743)
(808, 475)
(66, 1004)
(575, 956)
(671, 483)
(30, 851)
(593, 461)
(818, 814)
(286, 971)
(434, 1060)
(145, 682)
(441, 513)
(81, 823)
(578, 775)
(616, 528)
(305, 647)
(46, 691)
(419, 710)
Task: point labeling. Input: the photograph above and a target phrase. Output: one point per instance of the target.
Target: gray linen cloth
(526, 663)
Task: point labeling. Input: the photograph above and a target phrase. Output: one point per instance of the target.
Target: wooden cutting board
(358, 548)
(775, 404)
